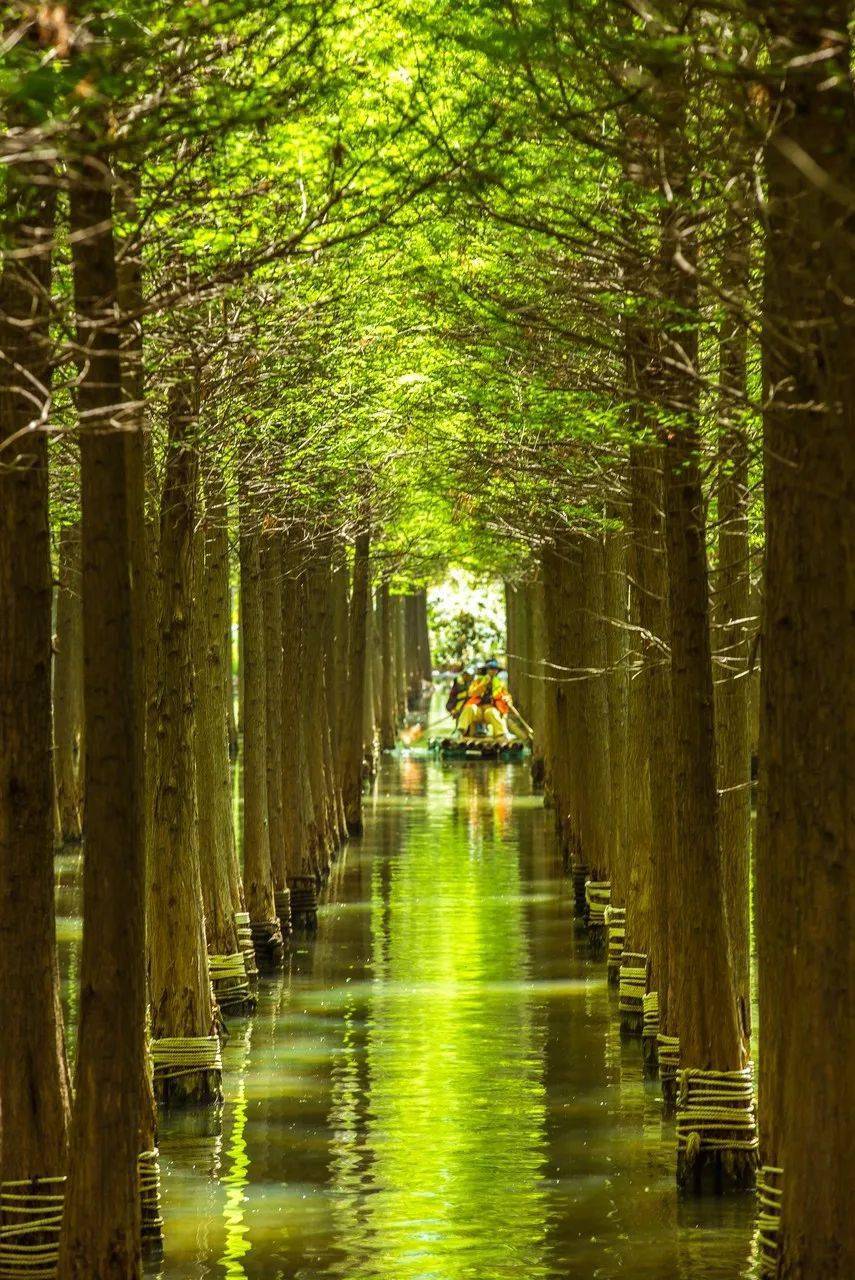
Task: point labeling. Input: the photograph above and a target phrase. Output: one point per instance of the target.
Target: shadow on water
(436, 1088)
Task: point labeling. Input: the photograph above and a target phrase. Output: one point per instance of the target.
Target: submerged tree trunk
(805, 815)
(68, 688)
(104, 1244)
(352, 745)
(179, 980)
(34, 1093)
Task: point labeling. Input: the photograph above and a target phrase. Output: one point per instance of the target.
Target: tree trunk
(732, 582)
(257, 866)
(68, 688)
(702, 983)
(317, 602)
(805, 813)
(388, 701)
(100, 1237)
(424, 637)
(296, 852)
(354, 729)
(561, 614)
(217, 850)
(334, 657)
(536, 712)
(615, 636)
(271, 580)
(228, 677)
(34, 1092)
(179, 980)
(398, 624)
(372, 693)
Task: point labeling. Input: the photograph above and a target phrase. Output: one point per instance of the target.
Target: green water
(436, 1088)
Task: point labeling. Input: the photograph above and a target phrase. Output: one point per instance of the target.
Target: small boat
(477, 748)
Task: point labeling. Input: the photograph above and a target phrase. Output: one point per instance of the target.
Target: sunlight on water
(436, 1087)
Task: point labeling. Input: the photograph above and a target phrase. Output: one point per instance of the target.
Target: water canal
(436, 1088)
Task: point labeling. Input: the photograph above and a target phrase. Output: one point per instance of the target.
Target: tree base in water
(669, 1091)
(597, 939)
(580, 875)
(649, 1056)
(198, 1089)
(712, 1172)
(268, 944)
(630, 1023)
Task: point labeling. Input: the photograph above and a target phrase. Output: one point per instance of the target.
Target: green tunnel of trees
(301, 306)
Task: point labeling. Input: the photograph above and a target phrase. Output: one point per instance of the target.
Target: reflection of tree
(236, 1177)
(456, 1098)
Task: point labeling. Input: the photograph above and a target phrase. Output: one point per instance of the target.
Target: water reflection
(436, 1088)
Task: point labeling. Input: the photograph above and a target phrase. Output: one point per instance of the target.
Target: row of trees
(293, 302)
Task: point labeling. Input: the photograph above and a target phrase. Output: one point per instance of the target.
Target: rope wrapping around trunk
(151, 1223)
(715, 1112)
(597, 898)
(304, 901)
(615, 921)
(30, 1219)
(176, 1056)
(244, 937)
(631, 982)
(229, 980)
(650, 1009)
(769, 1194)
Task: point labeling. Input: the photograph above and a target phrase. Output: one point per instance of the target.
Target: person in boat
(488, 701)
(459, 692)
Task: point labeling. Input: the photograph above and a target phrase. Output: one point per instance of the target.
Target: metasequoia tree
(34, 1092)
(68, 687)
(108, 1106)
(179, 981)
(805, 809)
(222, 893)
(257, 867)
(354, 719)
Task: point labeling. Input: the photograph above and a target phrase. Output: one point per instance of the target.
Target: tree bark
(297, 854)
(732, 583)
(702, 985)
(104, 1243)
(805, 811)
(388, 699)
(271, 580)
(398, 625)
(217, 849)
(34, 1092)
(654, 718)
(179, 980)
(257, 866)
(354, 729)
(68, 688)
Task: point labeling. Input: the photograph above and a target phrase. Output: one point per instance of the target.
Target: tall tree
(806, 785)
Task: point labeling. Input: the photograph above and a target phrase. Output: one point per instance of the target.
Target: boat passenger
(487, 703)
(458, 693)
